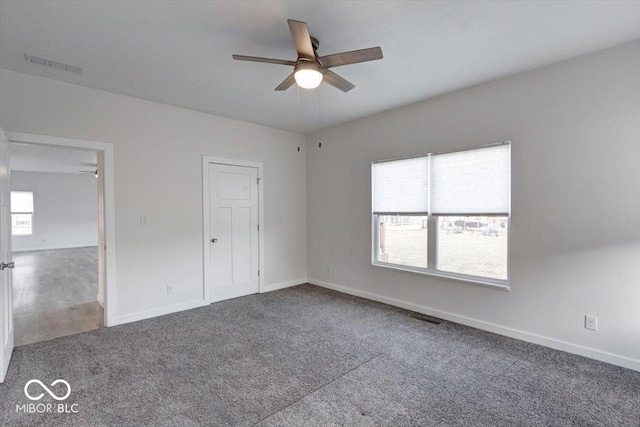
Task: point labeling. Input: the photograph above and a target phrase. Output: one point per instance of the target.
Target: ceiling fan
(309, 70)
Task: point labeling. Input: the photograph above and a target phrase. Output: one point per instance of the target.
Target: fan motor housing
(307, 64)
(315, 43)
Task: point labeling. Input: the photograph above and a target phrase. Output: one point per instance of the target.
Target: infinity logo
(38, 397)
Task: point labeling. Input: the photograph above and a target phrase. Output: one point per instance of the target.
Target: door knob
(214, 240)
(7, 265)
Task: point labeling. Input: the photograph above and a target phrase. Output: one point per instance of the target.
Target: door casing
(6, 290)
(107, 168)
(206, 160)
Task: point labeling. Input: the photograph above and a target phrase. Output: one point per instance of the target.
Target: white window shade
(401, 186)
(21, 202)
(471, 182)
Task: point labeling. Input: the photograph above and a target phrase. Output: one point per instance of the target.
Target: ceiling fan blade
(267, 60)
(353, 57)
(286, 84)
(336, 81)
(301, 38)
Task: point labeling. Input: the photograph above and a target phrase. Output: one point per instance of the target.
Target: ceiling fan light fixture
(308, 75)
(309, 69)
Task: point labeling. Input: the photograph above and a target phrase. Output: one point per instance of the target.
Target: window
(445, 214)
(21, 213)
(403, 240)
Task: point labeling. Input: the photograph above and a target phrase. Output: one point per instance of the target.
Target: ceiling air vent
(53, 64)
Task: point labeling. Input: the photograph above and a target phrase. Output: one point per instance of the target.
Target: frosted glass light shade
(308, 79)
(308, 74)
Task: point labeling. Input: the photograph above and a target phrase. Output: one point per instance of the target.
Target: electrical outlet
(169, 290)
(143, 220)
(591, 322)
(328, 272)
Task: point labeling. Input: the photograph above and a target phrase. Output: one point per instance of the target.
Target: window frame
(432, 234)
(32, 213)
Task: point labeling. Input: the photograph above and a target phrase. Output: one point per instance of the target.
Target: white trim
(100, 300)
(282, 285)
(206, 232)
(206, 248)
(498, 284)
(53, 247)
(161, 311)
(433, 153)
(148, 314)
(111, 298)
(591, 353)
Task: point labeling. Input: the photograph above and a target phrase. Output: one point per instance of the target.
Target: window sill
(501, 285)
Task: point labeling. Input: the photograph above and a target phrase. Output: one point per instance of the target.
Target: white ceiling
(179, 52)
(43, 158)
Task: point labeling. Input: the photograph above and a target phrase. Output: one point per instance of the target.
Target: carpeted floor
(313, 357)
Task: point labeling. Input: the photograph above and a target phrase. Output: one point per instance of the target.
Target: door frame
(206, 232)
(105, 151)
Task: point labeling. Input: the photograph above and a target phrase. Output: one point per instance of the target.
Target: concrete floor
(54, 294)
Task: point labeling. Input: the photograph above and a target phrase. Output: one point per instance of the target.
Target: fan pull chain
(319, 117)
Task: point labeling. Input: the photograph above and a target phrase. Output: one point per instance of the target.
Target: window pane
(473, 245)
(21, 224)
(22, 201)
(403, 240)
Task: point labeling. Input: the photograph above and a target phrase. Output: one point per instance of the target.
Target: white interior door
(6, 298)
(233, 225)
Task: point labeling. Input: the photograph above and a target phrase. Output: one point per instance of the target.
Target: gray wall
(65, 210)
(575, 234)
(158, 172)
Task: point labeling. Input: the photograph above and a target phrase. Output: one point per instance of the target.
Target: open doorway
(55, 217)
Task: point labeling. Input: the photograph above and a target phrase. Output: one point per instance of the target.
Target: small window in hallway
(22, 213)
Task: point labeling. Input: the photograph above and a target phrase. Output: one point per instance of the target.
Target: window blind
(471, 182)
(401, 186)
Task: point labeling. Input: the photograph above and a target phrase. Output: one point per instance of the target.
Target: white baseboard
(100, 300)
(148, 314)
(53, 247)
(602, 356)
(282, 285)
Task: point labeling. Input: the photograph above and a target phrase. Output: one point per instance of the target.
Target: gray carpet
(313, 357)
